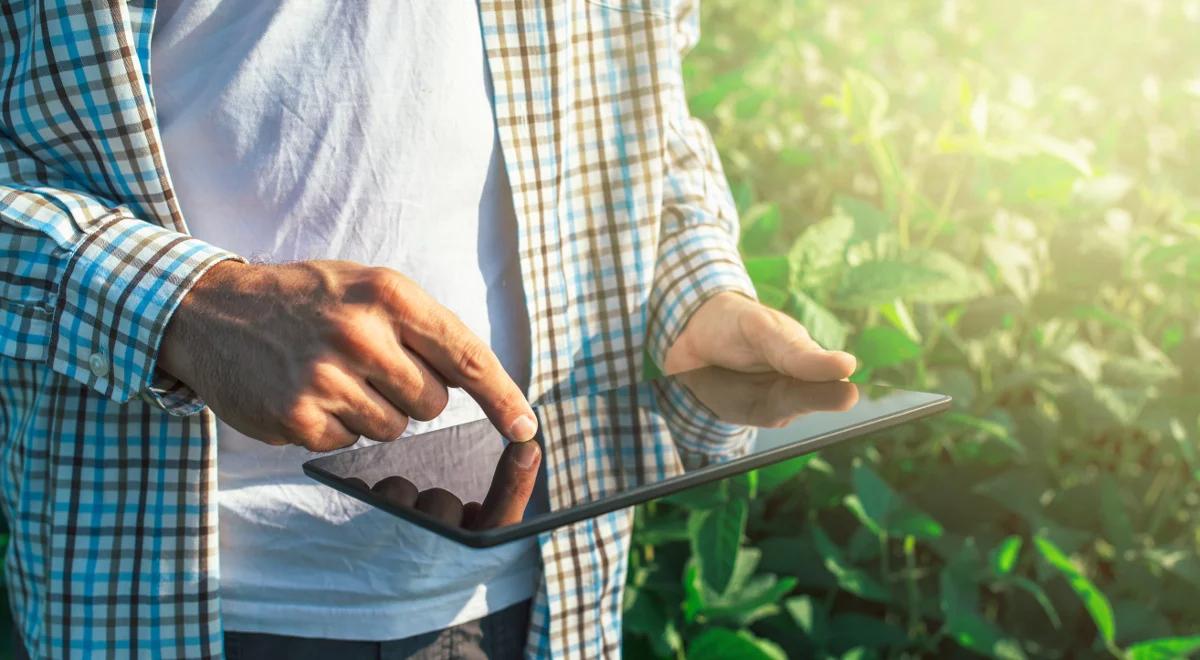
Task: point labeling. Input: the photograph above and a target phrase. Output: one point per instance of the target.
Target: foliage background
(996, 200)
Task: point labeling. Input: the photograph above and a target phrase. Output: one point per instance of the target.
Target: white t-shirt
(359, 130)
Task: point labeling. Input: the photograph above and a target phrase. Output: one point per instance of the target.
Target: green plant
(996, 201)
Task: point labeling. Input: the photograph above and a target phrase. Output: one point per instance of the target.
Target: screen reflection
(606, 445)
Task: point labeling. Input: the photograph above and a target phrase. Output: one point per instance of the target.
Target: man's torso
(359, 131)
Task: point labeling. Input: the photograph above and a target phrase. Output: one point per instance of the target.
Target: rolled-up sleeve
(88, 289)
(698, 253)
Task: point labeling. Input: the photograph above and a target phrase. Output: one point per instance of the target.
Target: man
(542, 186)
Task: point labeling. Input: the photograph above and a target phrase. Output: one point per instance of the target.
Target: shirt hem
(373, 623)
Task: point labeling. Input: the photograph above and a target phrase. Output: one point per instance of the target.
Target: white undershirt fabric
(358, 130)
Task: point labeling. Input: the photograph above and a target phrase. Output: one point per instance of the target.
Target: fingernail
(524, 453)
(523, 429)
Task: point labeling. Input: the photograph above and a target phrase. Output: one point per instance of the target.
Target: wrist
(189, 318)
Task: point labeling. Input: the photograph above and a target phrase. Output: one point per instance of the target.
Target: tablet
(596, 453)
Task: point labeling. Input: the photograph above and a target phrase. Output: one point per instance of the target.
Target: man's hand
(732, 331)
(318, 353)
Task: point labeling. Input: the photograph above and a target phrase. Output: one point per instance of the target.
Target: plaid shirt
(108, 470)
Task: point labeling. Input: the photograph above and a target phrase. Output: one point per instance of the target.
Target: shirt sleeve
(87, 289)
(700, 435)
(698, 253)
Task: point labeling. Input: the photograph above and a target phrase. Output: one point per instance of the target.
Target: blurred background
(996, 200)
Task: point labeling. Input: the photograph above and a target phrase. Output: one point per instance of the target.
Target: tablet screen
(609, 450)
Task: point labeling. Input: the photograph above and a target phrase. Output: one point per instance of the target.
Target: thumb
(786, 347)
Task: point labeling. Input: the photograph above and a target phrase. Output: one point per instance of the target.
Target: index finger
(464, 361)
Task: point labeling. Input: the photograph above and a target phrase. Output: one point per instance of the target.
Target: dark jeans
(499, 635)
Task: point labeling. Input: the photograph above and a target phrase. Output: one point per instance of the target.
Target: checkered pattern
(625, 227)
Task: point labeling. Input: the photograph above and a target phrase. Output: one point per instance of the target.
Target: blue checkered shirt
(108, 471)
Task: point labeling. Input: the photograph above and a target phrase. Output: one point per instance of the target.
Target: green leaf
(1019, 489)
(819, 251)
(773, 476)
(1084, 359)
(881, 346)
(1164, 648)
(768, 270)
(975, 633)
(955, 282)
(748, 598)
(803, 612)
(1128, 371)
(824, 327)
(654, 530)
(760, 228)
(1016, 266)
(864, 101)
(1004, 556)
(853, 503)
(772, 296)
(898, 315)
(910, 522)
(716, 535)
(921, 276)
(959, 603)
(695, 595)
(1066, 152)
(887, 510)
(743, 569)
(869, 221)
(723, 643)
(757, 599)
(647, 617)
(875, 283)
(849, 578)
(877, 498)
(709, 496)
(1096, 603)
(1035, 590)
(997, 430)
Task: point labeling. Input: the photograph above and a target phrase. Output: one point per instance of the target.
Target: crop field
(996, 200)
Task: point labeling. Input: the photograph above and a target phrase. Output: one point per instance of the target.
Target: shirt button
(98, 363)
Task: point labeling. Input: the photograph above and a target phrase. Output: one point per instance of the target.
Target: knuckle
(769, 318)
(397, 427)
(430, 404)
(473, 361)
(511, 401)
(322, 377)
(388, 426)
(299, 419)
(353, 335)
(388, 286)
